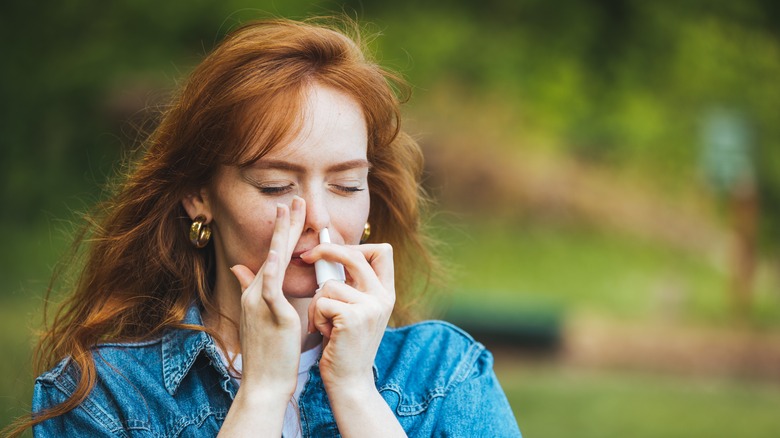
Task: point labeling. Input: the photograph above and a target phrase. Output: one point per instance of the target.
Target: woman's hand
(270, 331)
(270, 326)
(352, 316)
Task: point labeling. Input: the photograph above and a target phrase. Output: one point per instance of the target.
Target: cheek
(255, 230)
(351, 218)
(246, 230)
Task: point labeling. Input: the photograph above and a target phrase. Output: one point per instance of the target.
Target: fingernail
(297, 203)
(279, 210)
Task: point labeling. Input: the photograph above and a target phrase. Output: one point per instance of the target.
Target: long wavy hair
(139, 273)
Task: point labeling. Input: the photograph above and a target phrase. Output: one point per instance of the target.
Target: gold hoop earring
(366, 233)
(200, 232)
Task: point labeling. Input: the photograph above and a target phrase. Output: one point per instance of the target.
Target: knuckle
(249, 302)
(326, 289)
(267, 294)
(318, 305)
(386, 248)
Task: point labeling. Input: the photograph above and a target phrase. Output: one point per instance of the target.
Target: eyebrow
(292, 167)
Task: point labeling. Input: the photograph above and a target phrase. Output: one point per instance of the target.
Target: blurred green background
(607, 172)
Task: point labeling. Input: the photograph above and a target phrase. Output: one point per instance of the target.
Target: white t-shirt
(291, 427)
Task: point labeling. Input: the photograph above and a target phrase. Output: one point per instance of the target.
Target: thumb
(244, 276)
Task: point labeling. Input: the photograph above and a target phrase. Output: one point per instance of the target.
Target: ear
(197, 204)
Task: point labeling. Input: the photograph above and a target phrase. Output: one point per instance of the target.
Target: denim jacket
(437, 380)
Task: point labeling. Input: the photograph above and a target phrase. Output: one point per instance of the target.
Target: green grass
(526, 266)
(553, 401)
(539, 268)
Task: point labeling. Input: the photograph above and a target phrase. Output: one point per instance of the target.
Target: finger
(353, 260)
(297, 221)
(271, 292)
(244, 275)
(313, 315)
(343, 292)
(337, 291)
(281, 234)
(380, 257)
(311, 311)
(326, 313)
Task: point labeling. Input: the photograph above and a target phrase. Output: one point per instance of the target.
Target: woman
(198, 312)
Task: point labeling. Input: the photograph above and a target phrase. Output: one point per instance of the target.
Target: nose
(317, 216)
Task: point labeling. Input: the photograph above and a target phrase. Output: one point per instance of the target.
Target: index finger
(280, 238)
(297, 220)
(367, 266)
(380, 257)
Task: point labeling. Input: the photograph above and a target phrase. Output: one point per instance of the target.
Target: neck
(308, 340)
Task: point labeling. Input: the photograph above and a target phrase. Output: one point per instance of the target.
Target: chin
(299, 284)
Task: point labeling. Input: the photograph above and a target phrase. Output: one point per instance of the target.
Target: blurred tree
(75, 71)
(612, 82)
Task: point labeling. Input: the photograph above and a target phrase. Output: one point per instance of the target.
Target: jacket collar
(180, 349)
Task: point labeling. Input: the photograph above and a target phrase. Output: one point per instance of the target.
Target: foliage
(621, 83)
(563, 402)
(618, 82)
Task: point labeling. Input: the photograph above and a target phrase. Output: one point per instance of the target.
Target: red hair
(140, 272)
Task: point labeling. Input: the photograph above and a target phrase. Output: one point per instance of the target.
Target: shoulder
(120, 373)
(447, 340)
(160, 387)
(108, 359)
(116, 365)
(427, 360)
(440, 382)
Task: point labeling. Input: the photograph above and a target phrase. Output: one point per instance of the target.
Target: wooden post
(745, 213)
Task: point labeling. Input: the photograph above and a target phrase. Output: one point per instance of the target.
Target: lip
(297, 254)
(297, 260)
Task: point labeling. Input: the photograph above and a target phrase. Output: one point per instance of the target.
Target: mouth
(296, 259)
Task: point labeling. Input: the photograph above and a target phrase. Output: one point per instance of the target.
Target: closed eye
(347, 189)
(275, 190)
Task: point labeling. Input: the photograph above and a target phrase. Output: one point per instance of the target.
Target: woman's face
(325, 164)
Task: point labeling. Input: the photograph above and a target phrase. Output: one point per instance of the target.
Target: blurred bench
(528, 328)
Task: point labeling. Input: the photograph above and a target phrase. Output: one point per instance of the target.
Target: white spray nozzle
(325, 270)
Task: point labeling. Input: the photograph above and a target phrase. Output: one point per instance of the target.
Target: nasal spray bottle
(325, 270)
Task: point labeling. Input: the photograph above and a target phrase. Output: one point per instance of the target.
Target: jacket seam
(65, 383)
(184, 422)
(464, 367)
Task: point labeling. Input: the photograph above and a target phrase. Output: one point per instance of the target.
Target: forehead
(331, 127)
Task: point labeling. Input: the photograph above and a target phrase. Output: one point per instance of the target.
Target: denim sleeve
(74, 423)
(477, 406)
